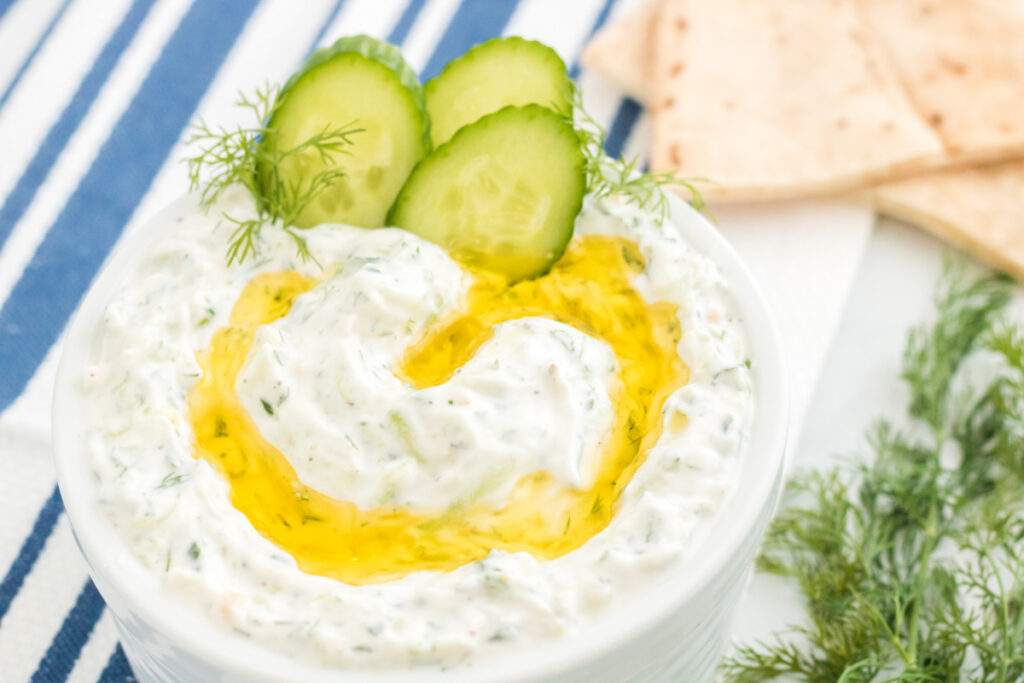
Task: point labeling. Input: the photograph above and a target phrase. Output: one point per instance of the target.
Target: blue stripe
(104, 200)
(32, 55)
(475, 21)
(4, 6)
(401, 29)
(622, 125)
(78, 625)
(599, 21)
(29, 552)
(92, 220)
(20, 198)
(117, 669)
(325, 27)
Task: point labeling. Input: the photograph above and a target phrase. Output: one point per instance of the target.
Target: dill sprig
(910, 564)
(234, 156)
(608, 176)
(932, 355)
(227, 157)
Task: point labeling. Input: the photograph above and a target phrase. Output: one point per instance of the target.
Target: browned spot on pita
(676, 69)
(830, 155)
(674, 155)
(668, 103)
(681, 24)
(958, 67)
(1006, 126)
(953, 66)
(888, 127)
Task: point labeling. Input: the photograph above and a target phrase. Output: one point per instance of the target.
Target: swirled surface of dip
(505, 463)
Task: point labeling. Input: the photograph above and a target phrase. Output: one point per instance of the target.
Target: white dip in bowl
(200, 592)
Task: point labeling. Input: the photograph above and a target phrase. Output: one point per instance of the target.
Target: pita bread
(979, 210)
(778, 99)
(622, 52)
(961, 63)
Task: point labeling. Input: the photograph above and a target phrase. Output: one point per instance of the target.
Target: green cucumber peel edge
(544, 47)
(380, 51)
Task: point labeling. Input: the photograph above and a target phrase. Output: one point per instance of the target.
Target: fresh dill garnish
(910, 564)
(194, 551)
(227, 157)
(267, 407)
(406, 435)
(172, 479)
(234, 156)
(607, 176)
(965, 307)
(205, 320)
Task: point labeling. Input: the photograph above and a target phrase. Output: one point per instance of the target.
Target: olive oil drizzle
(589, 288)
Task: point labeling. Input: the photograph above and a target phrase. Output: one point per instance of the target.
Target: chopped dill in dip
(401, 390)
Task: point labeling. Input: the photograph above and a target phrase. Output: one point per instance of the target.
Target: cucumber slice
(357, 79)
(492, 75)
(502, 194)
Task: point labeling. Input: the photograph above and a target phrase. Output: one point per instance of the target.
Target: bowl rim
(121, 578)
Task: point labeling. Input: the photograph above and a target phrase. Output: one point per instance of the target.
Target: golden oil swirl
(589, 288)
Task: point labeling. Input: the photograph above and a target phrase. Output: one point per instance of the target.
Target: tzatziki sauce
(323, 385)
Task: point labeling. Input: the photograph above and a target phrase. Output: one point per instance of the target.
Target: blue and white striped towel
(94, 100)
